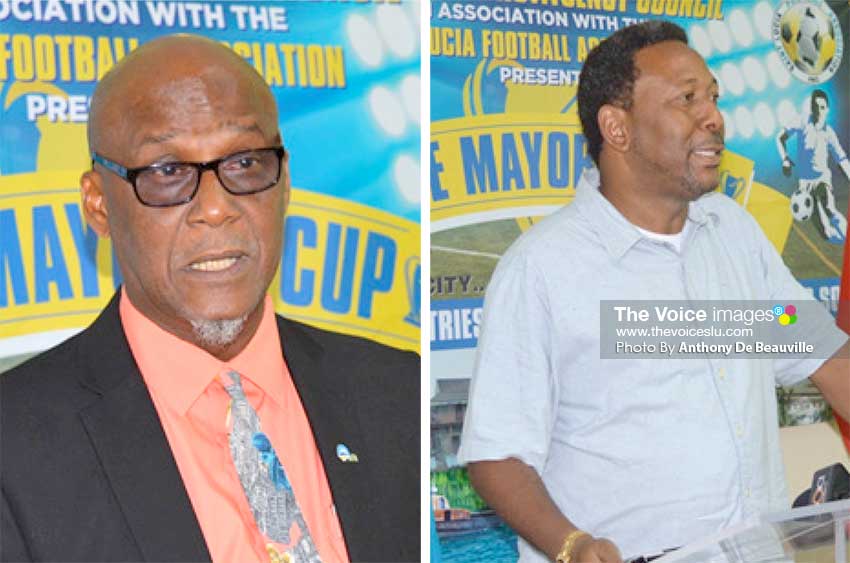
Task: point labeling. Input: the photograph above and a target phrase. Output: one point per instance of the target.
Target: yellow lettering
(242, 49)
(5, 55)
(22, 66)
(257, 56)
(336, 67)
(718, 10)
(105, 61)
(316, 66)
(302, 65)
(547, 54)
(84, 66)
(45, 58)
(288, 62)
(534, 46)
(585, 45)
(64, 44)
(273, 74)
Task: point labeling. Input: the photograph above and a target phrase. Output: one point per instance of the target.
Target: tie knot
(233, 384)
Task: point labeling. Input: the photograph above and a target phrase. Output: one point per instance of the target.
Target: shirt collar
(178, 371)
(616, 233)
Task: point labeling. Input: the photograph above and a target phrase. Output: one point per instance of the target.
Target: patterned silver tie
(263, 478)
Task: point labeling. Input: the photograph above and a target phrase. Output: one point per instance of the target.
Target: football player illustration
(815, 141)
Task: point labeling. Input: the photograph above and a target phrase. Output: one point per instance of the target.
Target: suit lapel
(331, 408)
(129, 440)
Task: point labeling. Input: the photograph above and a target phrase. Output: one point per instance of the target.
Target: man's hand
(517, 494)
(595, 550)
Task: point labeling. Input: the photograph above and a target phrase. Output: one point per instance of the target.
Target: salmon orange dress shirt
(184, 382)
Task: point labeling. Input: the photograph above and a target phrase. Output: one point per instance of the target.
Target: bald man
(189, 422)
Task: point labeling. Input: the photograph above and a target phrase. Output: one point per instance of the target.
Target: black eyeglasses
(166, 184)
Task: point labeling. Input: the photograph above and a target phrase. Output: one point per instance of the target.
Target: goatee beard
(218, 333)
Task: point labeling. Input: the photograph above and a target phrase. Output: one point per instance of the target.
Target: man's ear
(613, 123)
(94, 202)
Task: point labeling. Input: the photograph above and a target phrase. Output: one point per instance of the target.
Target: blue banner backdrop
(346, 79)
(506, 148)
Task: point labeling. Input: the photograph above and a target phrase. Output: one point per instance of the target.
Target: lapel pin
(345, 455)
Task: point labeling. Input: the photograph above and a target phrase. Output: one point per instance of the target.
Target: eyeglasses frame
(129, 175)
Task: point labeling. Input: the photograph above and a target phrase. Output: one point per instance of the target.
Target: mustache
(717, 139)
(714, 139)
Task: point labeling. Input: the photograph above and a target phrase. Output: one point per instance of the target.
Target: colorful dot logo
(787, 315)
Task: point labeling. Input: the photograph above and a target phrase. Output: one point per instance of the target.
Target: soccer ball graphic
(808, 38)
(802, 205)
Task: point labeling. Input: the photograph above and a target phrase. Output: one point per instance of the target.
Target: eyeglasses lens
(241, 173)
(249, 172)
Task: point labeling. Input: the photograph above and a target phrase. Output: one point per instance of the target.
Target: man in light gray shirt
(570, 448)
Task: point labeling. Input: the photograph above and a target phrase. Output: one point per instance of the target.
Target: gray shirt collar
(615, 232)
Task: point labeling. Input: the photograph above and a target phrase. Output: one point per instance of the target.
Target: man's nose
(713, 119)
(213, 205)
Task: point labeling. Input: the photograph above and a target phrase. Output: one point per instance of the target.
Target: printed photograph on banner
(346, 78)
(507, 150)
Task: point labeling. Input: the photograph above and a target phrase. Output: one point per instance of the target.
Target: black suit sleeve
(12, 545)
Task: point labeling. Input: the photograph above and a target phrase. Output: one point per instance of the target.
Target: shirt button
(747, 492)
(721, 373)
(739, 432)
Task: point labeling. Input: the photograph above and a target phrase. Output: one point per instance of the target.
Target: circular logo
(342, 451)
(787, 315)
(807, 36)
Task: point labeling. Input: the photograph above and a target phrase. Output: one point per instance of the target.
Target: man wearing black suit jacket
(87, 471)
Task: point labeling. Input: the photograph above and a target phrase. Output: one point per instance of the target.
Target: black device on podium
(828, 484)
